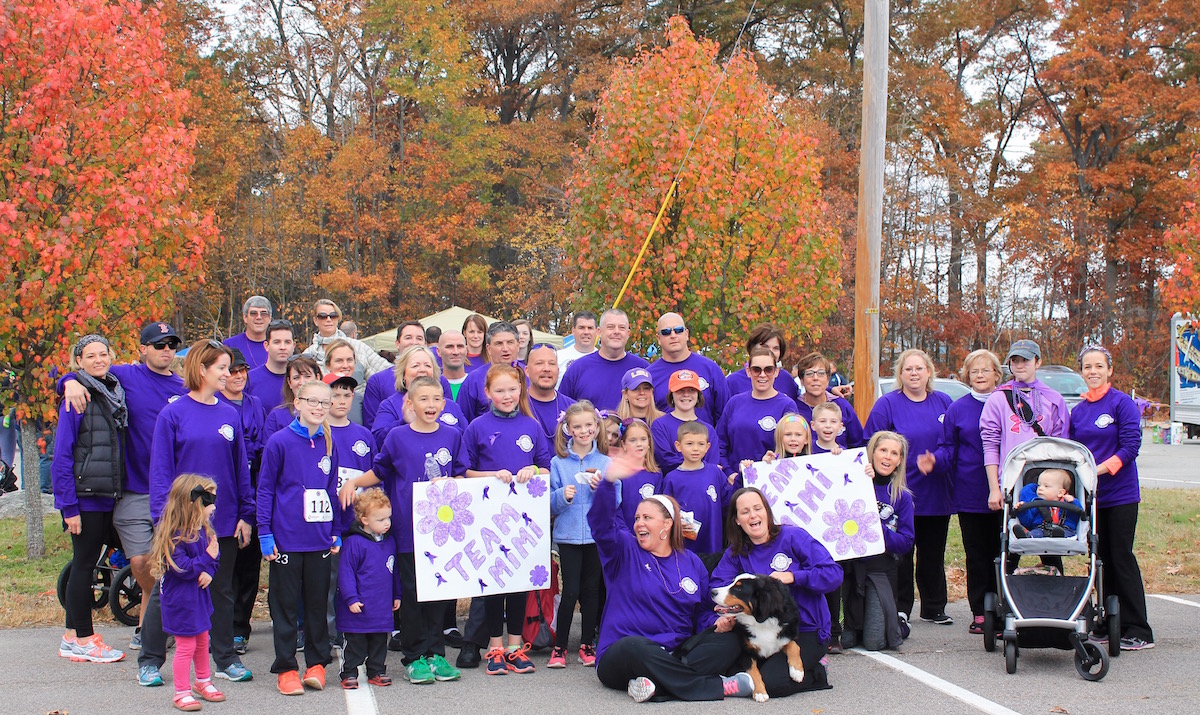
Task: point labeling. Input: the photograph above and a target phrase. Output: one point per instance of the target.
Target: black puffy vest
(99, 452)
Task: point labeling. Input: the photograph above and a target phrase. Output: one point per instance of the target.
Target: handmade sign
(829, 496)
(477, 537)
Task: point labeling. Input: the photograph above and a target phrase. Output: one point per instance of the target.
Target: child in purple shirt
(369, 590)
(701, 489)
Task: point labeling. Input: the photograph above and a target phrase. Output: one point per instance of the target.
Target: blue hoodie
(570, 517)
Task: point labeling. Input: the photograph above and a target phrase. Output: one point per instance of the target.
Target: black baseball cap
(239, 360)
(159, 331)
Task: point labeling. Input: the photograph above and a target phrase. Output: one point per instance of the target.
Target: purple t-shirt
(493, 443)
(961, 450)
(186, 608)
(266, 386)
(146, 394)
(594, 378)
(852, 432)
(739, 382)
(712, 384)
(294, 467)
(665, 432)
(355, 449)
(665, 600)
(921, 424)
(381, 386)
(549, 413)
(195, 438)
(1111, 425)
(255, 351)
(704, 492)
(400, 463)
(747, 426)
(634, 489)
(367, 574)
(814, 572)
(391, 414)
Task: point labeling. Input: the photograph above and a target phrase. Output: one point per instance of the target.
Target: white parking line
(1172, 599)
(1192, 482)
(362, 700)
(961, 694)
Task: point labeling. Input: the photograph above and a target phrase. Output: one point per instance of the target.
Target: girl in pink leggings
(184, 558)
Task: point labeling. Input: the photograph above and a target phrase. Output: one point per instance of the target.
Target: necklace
(663, 577)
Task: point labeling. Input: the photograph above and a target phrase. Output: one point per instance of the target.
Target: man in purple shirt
(256, 315)
(266, 381)
(382, 385)
(676, 355)
(547, 403)
(597, 376)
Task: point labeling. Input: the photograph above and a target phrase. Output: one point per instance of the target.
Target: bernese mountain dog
(767, 619)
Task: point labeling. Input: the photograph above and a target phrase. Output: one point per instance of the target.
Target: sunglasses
(539, 346)
(280, 324)
(327, 316)
(678, 330)
(762, 369)
(165, 345)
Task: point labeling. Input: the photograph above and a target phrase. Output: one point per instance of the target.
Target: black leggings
(981, 546)
(579, 565)
(1115, 529)
(926, 563)
(95, 530)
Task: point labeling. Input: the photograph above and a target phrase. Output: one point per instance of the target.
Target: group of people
(251, 450)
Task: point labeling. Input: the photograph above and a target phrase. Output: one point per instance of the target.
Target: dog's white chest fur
(764, 636)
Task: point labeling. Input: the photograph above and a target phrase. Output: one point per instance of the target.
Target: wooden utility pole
(870, 205)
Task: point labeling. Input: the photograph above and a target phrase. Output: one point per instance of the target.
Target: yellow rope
(645, 244)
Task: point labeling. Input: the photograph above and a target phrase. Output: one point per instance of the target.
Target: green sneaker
(441, 669)
(418, 672)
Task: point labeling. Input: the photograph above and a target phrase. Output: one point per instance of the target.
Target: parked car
(1064, 381)
(953, 388)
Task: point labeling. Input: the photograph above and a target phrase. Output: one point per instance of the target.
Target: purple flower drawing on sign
(539, 575)
(444, 512)
(537, 487)
(849, 528)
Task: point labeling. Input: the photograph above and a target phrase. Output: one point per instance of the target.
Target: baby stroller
(1050, 611)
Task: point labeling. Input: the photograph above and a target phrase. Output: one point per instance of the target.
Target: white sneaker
(94, 650)
(66, 647)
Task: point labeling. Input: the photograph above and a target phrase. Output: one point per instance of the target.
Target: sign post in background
(479, 537)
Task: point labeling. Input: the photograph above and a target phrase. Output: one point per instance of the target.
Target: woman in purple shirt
(1108, 423)
(747, 425)
(916, 411)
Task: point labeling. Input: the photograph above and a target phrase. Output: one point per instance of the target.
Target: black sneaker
(454, 637)
(468, 657)
(394, 643)
(905, 629)
(1020, 531)
(939, 618)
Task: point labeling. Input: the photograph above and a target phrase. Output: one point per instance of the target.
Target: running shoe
(94, 650)
(148, 676)
(240, 645)
(351, 682)
(236, 672)
(939, 618)
(314, 677)
(135, 643)
(518, 660)
(418, 672)
(454, 637)
(641, 689)
(976, 627)
(289, 683)
(738, 685)
(441, 669)
(206, 690)
(496, 664)
(905, 629)
(1135, 643)
(381, 681)
(65, 647)
(468, 657)
(587, 655)
(558, 658)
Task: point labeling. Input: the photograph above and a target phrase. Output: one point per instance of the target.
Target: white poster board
(829, 496)
(478, 537)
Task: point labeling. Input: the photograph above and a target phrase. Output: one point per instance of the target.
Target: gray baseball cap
(1024, 348)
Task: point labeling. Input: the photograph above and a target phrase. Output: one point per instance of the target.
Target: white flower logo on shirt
(325, 464)
(1104, 420)
(360, 448)
(712, 493)
(449, 419)
(646, 491)
(226, 431)
(781, 562)
(703, 384)
(391, 564)
(941, 418)
(172, 398)
(687, 584)
(525, 443)
(767, 424)
(443, 456)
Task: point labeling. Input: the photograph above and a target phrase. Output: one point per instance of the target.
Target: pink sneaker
(587, 655)
(558, 658)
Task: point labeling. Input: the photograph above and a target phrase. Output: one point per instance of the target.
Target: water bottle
(432, 470)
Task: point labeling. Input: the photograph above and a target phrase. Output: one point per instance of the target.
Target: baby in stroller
(1047, 521)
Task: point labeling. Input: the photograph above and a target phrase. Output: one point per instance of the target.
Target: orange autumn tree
(745, 240)
(94, 161)
(1181, 291)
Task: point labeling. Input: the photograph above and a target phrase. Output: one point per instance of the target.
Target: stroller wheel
(1010, 656)
(1112, 623)
(1097, 665)
(125, 597)
(989, 622)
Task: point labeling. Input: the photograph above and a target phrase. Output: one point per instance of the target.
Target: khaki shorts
(131, 518)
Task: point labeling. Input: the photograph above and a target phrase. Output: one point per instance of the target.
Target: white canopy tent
(450, 319)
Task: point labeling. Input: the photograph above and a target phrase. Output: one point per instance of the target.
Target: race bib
(317, 508)
(345, 474)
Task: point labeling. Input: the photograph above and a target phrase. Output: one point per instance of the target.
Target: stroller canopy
(1049, 449)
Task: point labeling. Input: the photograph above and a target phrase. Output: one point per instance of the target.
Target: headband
(793, 417)
(1095, 349)
(88, 340)
(665, 502)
